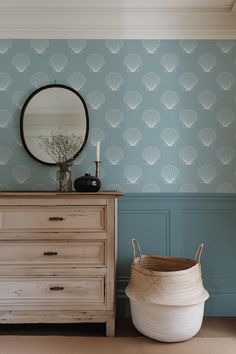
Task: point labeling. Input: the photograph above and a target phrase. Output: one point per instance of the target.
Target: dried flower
(60, 145)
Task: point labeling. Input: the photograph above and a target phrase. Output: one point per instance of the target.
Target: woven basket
(166, 296)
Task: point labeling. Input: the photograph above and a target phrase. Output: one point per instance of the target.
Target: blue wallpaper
(164, 111)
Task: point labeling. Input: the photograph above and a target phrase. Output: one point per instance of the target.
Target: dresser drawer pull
(50, 253)
(56, 218)
(56, 288)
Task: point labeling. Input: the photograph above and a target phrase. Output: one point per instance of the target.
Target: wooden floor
(213, 327)
(217, 336)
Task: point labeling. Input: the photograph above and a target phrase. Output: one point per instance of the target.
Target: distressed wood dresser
(58, 257)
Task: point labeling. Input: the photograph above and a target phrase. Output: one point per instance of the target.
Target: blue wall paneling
(174, 225)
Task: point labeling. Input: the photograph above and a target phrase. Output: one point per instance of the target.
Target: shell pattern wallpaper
(163, 111)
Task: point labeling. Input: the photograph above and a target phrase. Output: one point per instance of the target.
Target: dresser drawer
(80, 253)
(28, 291)
(84, 218)
(58, 257)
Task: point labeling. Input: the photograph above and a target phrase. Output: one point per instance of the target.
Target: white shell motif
(21, 62)
(5, 188)
(151, 118)
(225, 45)
(133, 62)
(132, 174)
(5, 81)
(114, 117)
(188, 118)
(77, 45)
(188, 155)
(207, 62)
(5, 155)
(151, 81)
(5, 118)
(225, 188)
(114, 81)
(188, 81)
(96, 135)
(170, 62)
(188, 46)
(225, 80)
(114, 45)
(132, 136)
(170, 136)
(188, 188)
(151, 46)
(39, 45)
(114, 187)
(151, 155)
(5, 44)
(114, 155)
(133, 99)
(169, 173)
(95, 62)
(225, 154)
(151, 188)
(21, 173)
(58, 62)
(207, 136)
(169, 99)
(225, 117)
(77, 80)
(96, 99)
(18, 99)
(207, 99)
(39, 79)
(207, 173)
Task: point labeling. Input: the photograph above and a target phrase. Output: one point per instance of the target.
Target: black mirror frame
(23, 112)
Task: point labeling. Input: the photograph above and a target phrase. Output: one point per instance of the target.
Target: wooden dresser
(58, 258)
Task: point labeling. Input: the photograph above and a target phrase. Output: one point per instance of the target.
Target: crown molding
(115, 21)
(214, 5)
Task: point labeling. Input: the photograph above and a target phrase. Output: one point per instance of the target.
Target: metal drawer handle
(50, 253)
(56, 218)
(56, 288)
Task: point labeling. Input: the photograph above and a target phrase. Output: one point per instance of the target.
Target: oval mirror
(54, 124)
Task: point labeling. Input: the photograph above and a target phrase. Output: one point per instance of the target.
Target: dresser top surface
(57, 195)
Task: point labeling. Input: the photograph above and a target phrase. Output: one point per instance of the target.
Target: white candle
(98, 151)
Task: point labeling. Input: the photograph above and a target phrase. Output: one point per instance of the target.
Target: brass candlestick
(97, 172)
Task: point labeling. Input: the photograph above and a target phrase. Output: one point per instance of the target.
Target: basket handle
(198, 253)
(135, 246)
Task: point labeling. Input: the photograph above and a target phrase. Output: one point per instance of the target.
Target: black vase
(87, 183)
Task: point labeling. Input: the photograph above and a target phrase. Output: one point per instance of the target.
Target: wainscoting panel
(175, 224)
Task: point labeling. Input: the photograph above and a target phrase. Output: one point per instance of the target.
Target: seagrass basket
(166, 295)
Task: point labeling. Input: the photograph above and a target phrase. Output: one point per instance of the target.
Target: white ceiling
(176, 19)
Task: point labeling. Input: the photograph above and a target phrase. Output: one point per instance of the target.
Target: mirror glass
(54, 110)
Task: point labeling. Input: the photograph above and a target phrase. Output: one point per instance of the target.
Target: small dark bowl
(87, 183)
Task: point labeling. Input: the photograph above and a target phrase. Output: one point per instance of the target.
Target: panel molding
(180, 196)
(143, 211)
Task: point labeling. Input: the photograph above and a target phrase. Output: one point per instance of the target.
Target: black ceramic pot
(87, 183)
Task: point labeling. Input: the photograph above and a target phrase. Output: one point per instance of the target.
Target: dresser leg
(110, 327)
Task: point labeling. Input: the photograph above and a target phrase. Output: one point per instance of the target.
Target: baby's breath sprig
(60, 145)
